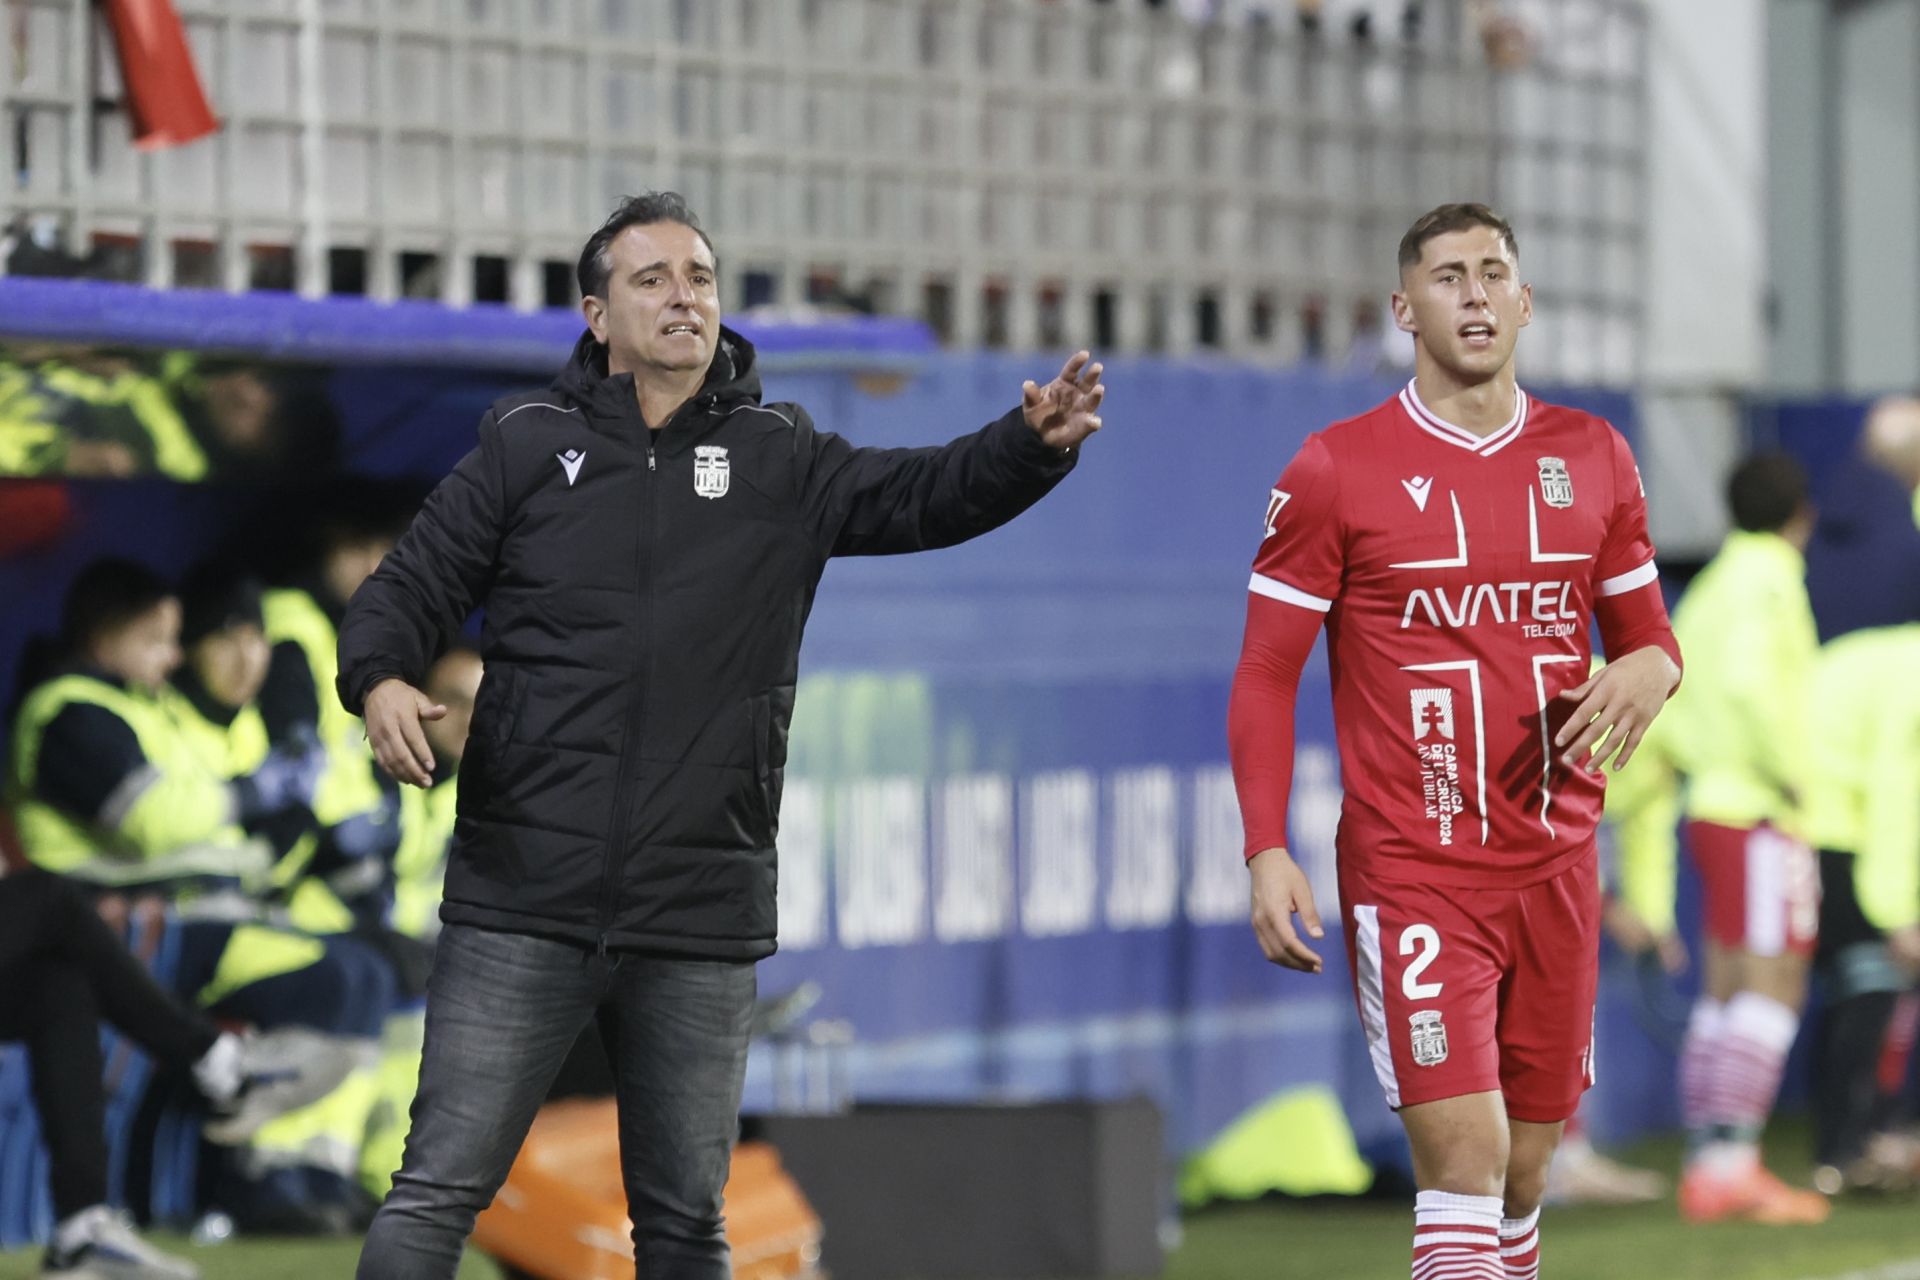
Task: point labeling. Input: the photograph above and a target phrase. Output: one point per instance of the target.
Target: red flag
(164, 96)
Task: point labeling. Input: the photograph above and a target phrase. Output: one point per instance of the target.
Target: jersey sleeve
(1626, 591)
(1303, 550)
(1625, 562)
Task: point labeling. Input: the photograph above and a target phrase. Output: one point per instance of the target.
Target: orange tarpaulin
(563, 1210)
(164, 96)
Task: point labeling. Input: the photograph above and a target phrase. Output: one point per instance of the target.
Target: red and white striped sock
(1520, 1246)
(1698, 1057)
(1456, 1237)
(1752, 1054)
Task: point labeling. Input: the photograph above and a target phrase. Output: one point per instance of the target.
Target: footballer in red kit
(1458, 542)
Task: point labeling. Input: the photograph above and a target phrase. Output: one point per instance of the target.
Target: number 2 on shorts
(1425, 939)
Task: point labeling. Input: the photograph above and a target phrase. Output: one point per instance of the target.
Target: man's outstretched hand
(1066, 410)
(393, 712)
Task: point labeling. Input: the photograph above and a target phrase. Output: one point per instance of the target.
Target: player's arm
(1295, 577)
(1613, 709)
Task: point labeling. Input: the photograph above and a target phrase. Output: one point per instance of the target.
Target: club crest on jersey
(711, 472)
(1429, 1038)
(1432, 713)
(1277, 501)
(1556, 486)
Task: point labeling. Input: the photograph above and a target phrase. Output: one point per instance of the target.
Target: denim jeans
(503, 1009)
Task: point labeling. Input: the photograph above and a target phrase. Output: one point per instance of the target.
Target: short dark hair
(1446, 220)
(1766, 491)
(642, 210)
(108, 594)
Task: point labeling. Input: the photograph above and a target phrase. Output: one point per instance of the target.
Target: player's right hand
(393, 712)
(1281, 891)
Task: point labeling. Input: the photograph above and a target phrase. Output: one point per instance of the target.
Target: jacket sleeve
(874, 502)
(407, 611)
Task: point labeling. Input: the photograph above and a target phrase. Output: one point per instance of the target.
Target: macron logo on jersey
(1418, 488)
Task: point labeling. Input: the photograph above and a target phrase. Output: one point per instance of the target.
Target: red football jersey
(1458, 576)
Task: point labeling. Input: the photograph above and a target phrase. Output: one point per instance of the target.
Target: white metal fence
(1021, 172)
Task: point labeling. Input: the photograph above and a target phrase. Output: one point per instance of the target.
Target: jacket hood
(732, 378)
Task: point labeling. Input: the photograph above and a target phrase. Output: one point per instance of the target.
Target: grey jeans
(503, 1009)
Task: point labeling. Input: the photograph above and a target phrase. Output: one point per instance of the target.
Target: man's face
(232, 663)
(349, 564)
(145, 651)
(661, 312)
(453, 683)
(1464, 304)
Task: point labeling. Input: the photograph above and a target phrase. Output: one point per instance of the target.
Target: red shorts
(1473, 990)
(1761, 888)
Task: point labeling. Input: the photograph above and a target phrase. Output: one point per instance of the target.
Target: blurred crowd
(1788, 767)
(88, 411)
(181, 744)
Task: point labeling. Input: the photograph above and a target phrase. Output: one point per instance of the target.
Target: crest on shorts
(711, 473)
(1556, 485)
(1429, 1038)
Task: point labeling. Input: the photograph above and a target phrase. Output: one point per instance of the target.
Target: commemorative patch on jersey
(1429, 1032)
(1556, 485)
(711, 472)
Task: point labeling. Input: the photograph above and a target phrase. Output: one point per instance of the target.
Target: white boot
(250, 1079)
(101, 1244)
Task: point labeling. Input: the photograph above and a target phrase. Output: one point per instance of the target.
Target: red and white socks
(1730, 1074)
(1520, 1247)
(1457, 1237)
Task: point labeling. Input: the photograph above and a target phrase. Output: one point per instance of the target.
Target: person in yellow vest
(1863, 812)
(298, 702)
(1637, 842)
(413, 906)
(213, 698)
(108, 788)
(1737, 733)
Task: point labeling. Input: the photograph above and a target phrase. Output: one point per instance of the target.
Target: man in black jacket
(646, 538)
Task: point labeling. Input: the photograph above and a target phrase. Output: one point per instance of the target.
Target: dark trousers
(1862, 984)
(62, 971)
(503, 1010)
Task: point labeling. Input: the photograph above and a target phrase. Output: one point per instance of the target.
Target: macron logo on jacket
(570, 463)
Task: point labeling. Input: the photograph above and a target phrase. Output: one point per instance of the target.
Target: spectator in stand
(1863, 565)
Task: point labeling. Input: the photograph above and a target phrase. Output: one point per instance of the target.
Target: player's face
(1464, 304)
(662, 309)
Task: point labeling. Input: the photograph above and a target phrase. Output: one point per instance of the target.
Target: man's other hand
(1066, 410)
(1280, 891)
(393, 712)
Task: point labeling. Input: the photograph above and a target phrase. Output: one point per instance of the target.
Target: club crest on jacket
(711, 474)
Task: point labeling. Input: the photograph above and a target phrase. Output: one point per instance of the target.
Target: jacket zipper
(637, 707)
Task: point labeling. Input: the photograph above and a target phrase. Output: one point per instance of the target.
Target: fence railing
(1019, 172)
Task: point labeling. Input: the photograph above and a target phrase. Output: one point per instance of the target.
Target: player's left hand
(1066, 410)
(1614, 708)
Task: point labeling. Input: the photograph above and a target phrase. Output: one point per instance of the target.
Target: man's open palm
(1066, 410)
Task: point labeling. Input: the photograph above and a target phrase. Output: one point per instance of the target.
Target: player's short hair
(643, 210)
(1446, 220)
(1766, 491)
